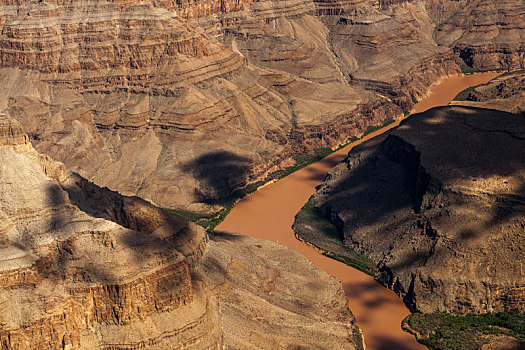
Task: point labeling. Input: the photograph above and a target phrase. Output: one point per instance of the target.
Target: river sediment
(269, 214)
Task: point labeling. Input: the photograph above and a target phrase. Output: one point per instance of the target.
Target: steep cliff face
(63, 271)
(139, 96)
(487, 34)
(127, 94)
(66, 276)
(83, 267)
(439, 204)
(389, 49)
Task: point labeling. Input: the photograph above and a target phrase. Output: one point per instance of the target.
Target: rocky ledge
(83, 267)
(439, 204)
(505, 93)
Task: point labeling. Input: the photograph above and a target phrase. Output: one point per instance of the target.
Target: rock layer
(66, 276)
(439, 204)
(83, 267)
(505, 93)
(142, 96)
(487, 34)
(156, 89)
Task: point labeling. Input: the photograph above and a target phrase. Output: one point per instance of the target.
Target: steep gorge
(83, 267)
(183, 102)
(140, 95)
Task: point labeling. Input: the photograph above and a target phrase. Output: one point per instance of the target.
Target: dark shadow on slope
(152, 231)
(216, 235)
(387, 174)
(394, 187)
(77, 253)
(130, 212)
(56, 200)
(60, 260)
(219, 173)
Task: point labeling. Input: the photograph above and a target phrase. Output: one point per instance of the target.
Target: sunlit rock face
(439, 203)
(139, 95)
(83, 267)
(485, 33)
(69, 278)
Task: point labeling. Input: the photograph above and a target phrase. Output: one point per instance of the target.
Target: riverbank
(438, 94)
(326, 243)
(269, 214)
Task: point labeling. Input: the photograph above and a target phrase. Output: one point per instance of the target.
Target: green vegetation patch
(313, 228)
(302, 160)
(385, 123)
(469, 70)
(463, 95)
(447, 331)
(210, 221)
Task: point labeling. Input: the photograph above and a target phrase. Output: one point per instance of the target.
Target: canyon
(437, 204)
(379, 311)
(182, 102)
(111, 110)
(83, 267)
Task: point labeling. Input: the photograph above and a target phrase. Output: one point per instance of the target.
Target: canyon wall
(69, 278)
(486, 34)
(83, 267)
(183, 102)
(438, 203)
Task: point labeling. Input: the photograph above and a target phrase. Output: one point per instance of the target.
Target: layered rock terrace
(83, 267)
(156, 88)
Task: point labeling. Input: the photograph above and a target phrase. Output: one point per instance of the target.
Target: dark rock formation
(439, 202)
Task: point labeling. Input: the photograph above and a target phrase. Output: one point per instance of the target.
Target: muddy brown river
(269, 214)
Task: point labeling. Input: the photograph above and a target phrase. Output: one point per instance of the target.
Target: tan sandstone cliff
(142, 96)
(83, 267)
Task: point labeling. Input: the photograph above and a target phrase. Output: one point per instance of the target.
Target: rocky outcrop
(83, 267)
(439, 203)
(138, 96)
(66, 276)
(505, 93)
(487, 34)
(273, 298)
(11, 134)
